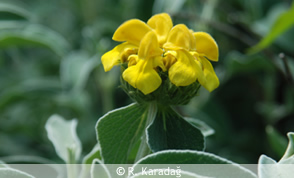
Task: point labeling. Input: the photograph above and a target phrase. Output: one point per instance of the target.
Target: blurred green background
(50, 63)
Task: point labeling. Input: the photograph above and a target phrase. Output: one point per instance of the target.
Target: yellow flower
(143, 75)
(157, 45)
(192, 49)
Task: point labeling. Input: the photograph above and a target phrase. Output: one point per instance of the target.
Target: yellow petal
(131, 31)
(142, 76)
(113, 57)
(212, 81)
(185, 71)
(201, 79)
(180, 37)
(149, 46)
(205, 45)
(162, 24)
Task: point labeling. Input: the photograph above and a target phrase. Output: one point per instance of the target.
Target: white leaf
(99, 170)
(269, 168)
(62, 134)
(13, 173)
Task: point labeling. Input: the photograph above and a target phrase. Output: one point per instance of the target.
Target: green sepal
(166, 94)
(171, 131)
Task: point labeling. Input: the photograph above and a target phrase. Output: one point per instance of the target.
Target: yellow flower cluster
(158, 45)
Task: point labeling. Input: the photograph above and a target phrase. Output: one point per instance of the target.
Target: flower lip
(206, 45)
(161, 24)
(116, 55)
(131, 31)
(149, 46)
(180, 37)
(143, 75)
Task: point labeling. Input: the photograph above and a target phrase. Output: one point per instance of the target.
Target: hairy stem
(144, 149)
(71, 164)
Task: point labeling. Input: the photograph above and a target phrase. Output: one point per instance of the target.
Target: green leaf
(284, 22)
(206, 163)
(12, 24)
(99, 170)
(205, 129)
(119, 130)
(34, 35)
(277, 142)
(76, 68)
(238, 63)
(63, 135)
(170, 131)
(16, 10)
(13, 173)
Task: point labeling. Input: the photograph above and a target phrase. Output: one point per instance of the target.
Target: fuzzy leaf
(118, 131)
(170, 131)
(63, 135)
(13, 173)
(207, 164)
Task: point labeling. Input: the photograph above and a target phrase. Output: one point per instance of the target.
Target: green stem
(71, 165)
(71, 170)
(144, 148)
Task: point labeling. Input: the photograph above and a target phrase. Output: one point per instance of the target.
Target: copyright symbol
(120, 171)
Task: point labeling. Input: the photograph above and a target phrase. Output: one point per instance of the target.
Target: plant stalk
(71, 165)
(144, 148)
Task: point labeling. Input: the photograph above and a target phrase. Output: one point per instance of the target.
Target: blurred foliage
(50, 63)
(283, 22)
